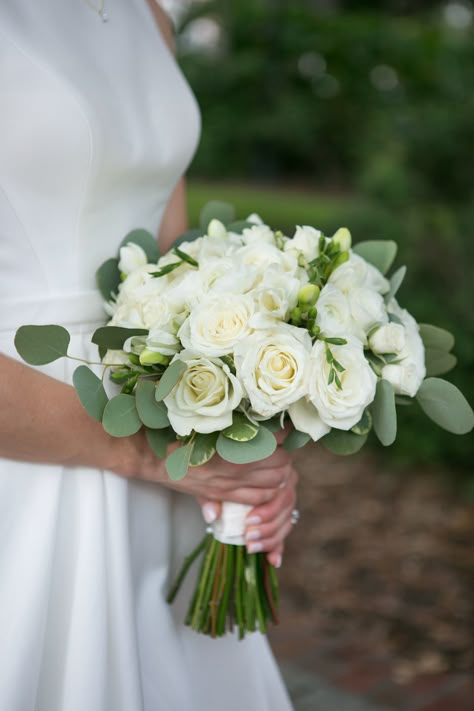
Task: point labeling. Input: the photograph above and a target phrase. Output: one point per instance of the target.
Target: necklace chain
(100, 10)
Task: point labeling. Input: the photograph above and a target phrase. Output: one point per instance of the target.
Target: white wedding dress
(96, 126)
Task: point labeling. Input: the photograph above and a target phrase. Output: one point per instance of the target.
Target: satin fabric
(96, 126)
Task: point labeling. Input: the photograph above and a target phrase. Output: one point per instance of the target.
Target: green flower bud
(314, 331)
(312, 313)
(148, 357)
(295, 315)
(343, 257)
(308, 295)
(342, 238)
(133, 358)
(216, 229)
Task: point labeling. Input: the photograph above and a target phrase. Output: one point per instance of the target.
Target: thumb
(211, 510)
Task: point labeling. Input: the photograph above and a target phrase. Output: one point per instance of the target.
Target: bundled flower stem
(234, 589)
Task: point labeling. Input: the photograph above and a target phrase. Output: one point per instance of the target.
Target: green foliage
(39, 345)
(295, 440)
(153, 414)
(446, 405)
(120, 418)
(159, 440)
(169, 379)
(259, 447)
(380, 253)
(384, 413)
(344, 443)
(216, 210)
(177, 462)
(396, 280)
(241, 429)
(146, 241)
(204, 448)
(90, 391)
(114, 337)
(108, 278)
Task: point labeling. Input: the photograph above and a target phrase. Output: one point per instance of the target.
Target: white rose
(273, 367)
(225, 275)
(204, 397)
(275, 296)
(261, 256)
(305, 241)
(306, 419)
(356, 272)
(389, 338)
(367, 310)
(163, 340)
(132, 256)
(260, 234)
(217, 324)
(341, 408)
(334, 315)
(407, 376)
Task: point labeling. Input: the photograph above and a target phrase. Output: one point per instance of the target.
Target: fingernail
(209, 513)
(254, 548)
(253, 521)
(277, 563)
(252, 535)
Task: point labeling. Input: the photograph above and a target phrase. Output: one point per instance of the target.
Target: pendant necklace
(101, 11)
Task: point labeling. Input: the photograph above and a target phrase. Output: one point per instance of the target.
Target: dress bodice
(97, 124)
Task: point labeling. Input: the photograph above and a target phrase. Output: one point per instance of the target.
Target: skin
(42, 421)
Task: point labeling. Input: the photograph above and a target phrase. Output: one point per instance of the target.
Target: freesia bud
(216, 229)
(295, 315)
(308, 295)
(148, 357)
(343, 257)
(342, 238)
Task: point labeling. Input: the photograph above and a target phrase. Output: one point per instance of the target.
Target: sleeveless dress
(96, 126)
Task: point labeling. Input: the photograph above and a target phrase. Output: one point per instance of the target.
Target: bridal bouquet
(235, 331)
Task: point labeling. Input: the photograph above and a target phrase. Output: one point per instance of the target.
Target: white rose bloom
(334, 315)
(356, 272)
(217, 324)
(273, 366)
(142, 278)
(275, 296)
(367, 310)
(305, 241)
(132, 256)
(225, 275)
(163, 340)
(259, 234)
(407, 376)
(306, 419)
(261, 256)
(389, 338)
(184, 291)
(204, 397)
(341, 408)
(192, 248)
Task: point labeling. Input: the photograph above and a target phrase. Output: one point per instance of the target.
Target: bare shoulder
(163, 22)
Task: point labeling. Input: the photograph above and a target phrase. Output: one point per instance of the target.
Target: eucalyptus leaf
(396, 281)
(384, 413)
(204, 448)
(108, 278)
(113, 337)
(91, 392)
(380, 253)
(169, 379)
(153, 414)
(146, 241)
(273, 424)
(188, 236)
(342, 442)
(177, 462)
(435, 337)
(38, 345)
(295, 440)
(260, 447)
(120, 417)
(403, 401)
(239, 226)
(445, 405)
(364, 425)
(159, 440)
(216, 210)
(438, 361)
(241, 429)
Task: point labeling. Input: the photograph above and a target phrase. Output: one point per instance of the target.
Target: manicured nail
(254, 548)
(252, 535)
(277, 563)
(209, 513)
(253, 521)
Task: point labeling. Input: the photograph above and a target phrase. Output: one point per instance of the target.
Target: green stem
(238, 591)
(224, 603)
(214, 602)
(202, 583)
(188, 561)
(258, 590)
(268, 590)
(204, 607)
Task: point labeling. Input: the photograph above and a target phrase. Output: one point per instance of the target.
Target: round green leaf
(438, 361)
(159, 440)
(108, 278)
(384, 413)
(169, 379)
(121, 417)
(146, 241)
(204, 449)
(188, 236)
(445, 405)
(435, 337)
(295, 440)
(114, 337)
(364, 425)
(344, 443)
(241, 429)
(38, 345)
(216, 210)
(239, 226)
(380, 253)
(152, 413)
(90, 391)
(260, 447)
(178, 462)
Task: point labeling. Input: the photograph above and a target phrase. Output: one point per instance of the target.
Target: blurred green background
(361, 114)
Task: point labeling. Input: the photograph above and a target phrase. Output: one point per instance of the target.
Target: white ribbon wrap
(230, 527)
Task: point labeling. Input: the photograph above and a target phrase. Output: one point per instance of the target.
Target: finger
(284, 498)
(281, 435)
(250, 496)
(266, 478)
(269, 544)
(268, 530)
(211, 510)
(275, 557)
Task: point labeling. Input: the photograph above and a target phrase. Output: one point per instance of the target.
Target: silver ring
(295, 517)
